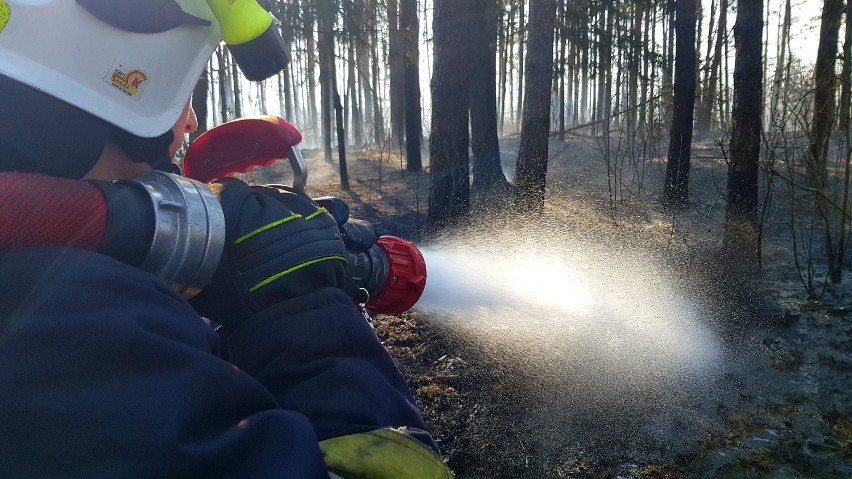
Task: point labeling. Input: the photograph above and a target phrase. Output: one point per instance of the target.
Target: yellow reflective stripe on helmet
(382, 454)
(240, 20)
(266, 227)
(295, 268)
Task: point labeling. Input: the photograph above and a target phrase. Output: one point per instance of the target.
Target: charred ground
(786, 413)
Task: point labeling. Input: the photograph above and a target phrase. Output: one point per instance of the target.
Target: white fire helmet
(134, 66)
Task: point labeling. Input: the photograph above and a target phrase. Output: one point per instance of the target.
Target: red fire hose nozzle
(392, 272)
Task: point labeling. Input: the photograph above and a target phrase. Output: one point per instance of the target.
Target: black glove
(358, 235)
(279, 244)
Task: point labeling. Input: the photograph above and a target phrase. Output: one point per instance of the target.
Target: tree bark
(676, 186)
(199, 104)
(341, 142)
(325, 23)
(375, 83)
(448, 146)
(410, 32)
(741, 227)
(824, 92)
(531, 174)
(487, 171)
(396, 67)
(704, 115)
(310, 63)
(522, 33)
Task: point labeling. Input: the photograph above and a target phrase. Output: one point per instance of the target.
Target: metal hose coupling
(189, 231)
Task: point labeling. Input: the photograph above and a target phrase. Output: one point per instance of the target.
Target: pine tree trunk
(396, 67)
(560, 77)
(676, 186)
(487, 171)
(410, 32)
(783, 42)
(704, 113)
(199, 104)
(311, 61)
(325, 23)
(633, 68)
(838, 256)
(669, 62)
(531, 176)
(355, 107)
(522, 34)
(362, 54)
(824, 92)
(846, 75)
(501, 41)
(449, 195)
(741, 226)
(378, 116)
(584, 94)
(509, 95)
(225, 85)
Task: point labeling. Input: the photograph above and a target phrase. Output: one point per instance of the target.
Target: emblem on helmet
(129, 80)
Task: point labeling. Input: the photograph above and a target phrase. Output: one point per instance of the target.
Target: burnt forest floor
(772, 401)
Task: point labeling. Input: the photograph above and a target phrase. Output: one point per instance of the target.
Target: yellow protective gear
(382, 454)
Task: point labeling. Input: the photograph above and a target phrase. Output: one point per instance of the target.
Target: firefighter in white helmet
(105, 371)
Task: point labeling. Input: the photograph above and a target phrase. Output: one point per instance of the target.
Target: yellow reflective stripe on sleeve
(316, 213)
(294, 268)
(266, 227)
(382, 454)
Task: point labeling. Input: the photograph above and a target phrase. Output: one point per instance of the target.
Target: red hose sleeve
(38, 210)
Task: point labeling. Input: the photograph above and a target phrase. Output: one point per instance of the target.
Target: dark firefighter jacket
(105, 373)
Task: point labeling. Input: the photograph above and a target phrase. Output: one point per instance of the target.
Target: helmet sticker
(128, 79)
(5, 13)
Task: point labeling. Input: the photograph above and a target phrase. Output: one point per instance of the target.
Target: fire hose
(173, 226)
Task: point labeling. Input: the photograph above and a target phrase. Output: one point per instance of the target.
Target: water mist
(596, 339)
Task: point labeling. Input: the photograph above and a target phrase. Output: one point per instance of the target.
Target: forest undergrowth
(772, 401)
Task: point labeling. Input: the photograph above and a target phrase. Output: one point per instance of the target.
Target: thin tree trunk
(355, 107)
(378, 116)
(238, 90)
(560, 78)
(341, 142)
(225, 84)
